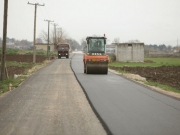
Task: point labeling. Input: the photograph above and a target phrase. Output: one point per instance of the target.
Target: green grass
(4, 85)
(15, 63)
(157, 63)
(164, 87)
(15, 83)
(27, 52)
(10, 51)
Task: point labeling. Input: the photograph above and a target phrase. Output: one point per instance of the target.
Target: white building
(129, 52)
(41, 46)
(110, 49)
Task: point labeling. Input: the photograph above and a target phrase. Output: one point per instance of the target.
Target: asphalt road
(128, 108)
(49, 102)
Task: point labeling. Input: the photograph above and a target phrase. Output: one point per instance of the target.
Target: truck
(63, 50)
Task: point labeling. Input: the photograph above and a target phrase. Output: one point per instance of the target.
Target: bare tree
(61, 36)
(83, 42)
(117, 40)
(134, 41)
(39, 40)
(44, 36)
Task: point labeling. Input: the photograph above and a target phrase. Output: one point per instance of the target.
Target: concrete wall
(44, 47)
(130, 52)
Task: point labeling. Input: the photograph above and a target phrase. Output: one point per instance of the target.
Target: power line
(46, 10)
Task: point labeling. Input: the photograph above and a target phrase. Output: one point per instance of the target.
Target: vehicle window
(96, 45)
(62, 47)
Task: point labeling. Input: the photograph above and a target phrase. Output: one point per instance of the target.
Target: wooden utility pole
(48, 34)
(55, 41)
(34, 47)
(3, 58)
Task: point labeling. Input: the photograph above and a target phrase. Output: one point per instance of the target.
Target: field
(157, 71)
(20, 62)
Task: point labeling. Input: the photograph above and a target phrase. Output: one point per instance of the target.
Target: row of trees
(56, 36)
(161, 47)
(16, 42)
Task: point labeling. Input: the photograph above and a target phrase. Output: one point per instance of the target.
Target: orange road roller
(95, 58)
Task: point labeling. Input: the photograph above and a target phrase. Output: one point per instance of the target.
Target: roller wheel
(84, 69)
(87, 71)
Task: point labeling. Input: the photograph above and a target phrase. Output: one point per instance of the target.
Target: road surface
(49, 102)
(128, 108)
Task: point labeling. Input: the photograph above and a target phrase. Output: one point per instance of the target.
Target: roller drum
(96, 68)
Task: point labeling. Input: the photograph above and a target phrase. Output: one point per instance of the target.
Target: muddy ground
(167, 75)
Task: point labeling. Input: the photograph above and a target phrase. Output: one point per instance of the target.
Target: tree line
(58, 35)
(43, 39)
(23, 42)
(161, 47)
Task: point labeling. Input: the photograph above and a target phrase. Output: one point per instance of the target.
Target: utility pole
(59, 34)
(3, 58)
(34, 47)
(48, 34)
(55, 41)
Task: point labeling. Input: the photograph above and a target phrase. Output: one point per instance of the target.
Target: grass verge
(31, 68)
(6, 83)
(164, 87)
(155, 62)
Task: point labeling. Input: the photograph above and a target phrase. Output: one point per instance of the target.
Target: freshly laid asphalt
(126, 107)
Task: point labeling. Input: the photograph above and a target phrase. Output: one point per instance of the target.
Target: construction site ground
(50, 101)
(167, 75)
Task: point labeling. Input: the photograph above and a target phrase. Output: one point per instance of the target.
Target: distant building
(129, 52)
(176, 49)
(42, 46)
(110, 49)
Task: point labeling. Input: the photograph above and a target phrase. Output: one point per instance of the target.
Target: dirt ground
(21, 58)
(167, 75)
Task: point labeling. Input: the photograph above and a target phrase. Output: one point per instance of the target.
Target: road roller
(95, 58)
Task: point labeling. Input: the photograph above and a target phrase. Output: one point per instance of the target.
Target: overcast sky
(150, 21)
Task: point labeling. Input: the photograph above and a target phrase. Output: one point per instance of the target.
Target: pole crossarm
(49, 21)
(35, 4)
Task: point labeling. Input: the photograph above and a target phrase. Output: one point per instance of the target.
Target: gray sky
(150, 21)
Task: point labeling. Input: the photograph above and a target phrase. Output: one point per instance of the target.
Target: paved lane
(126, 107)
(50, 102)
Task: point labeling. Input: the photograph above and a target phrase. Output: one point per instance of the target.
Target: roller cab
(95, 59)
